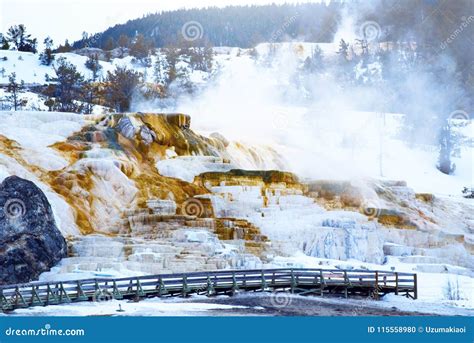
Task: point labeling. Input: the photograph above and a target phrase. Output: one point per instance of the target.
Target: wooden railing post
(140, 292)
(322, 281)
(376, 291)
(345, 284)
(415, 281)
(185, 290)
(210, 288)
(161, 287)
(5, 304)
(235, 286)
(396, 283)
(293, 283)
(264, 286)
(116, 292)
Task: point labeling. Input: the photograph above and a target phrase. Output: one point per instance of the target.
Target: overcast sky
(61, 19)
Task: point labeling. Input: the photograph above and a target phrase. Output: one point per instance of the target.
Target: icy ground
(243, 304)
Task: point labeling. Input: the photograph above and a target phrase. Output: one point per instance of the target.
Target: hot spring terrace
(316, 282)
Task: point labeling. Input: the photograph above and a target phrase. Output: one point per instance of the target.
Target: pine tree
(64, 48)
(446, 141)
(68, 85)
(15, 89)
(121, 86)
(123, 43)
(49, 91)
(343, 50)
(47, 57)
(140, 49)
(90, 95)
(315, 62)
(85, 39)
(109, 44)
(176, 79)
(4, 45)
(159, 70)
(202, 57)
(21, 40)
(182, 83)
(93, 65)
(171, 55)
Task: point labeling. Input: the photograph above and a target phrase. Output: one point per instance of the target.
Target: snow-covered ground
(148, 307)
(29, 69)
(202, 306)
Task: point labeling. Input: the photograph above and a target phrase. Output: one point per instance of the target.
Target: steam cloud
(323, 129)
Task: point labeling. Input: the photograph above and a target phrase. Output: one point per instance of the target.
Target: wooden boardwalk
(320, 282)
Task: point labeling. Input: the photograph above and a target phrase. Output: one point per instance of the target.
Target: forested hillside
(432, 24)
(243, 26)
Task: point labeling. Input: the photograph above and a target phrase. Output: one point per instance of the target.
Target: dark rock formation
(30, 242)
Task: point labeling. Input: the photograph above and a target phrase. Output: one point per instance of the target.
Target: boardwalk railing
(299, 281)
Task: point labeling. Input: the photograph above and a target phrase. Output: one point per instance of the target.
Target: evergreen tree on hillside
(181, 84)
(171, 56)
(109, 44)
(315, 62)
(49, 91)
(159, 70)
(68, 85)
(85, 38)
(64, 48)
(242, 26)
(93, 65)
(47, 57)
(174, 78)
(123, 43)
(15, 89)
(140, 49)
(4, 45)
(90, 95)
(446, 149)
(121, 86)
(450, 138)
(20, 40)
(343, 50)
(201, 57)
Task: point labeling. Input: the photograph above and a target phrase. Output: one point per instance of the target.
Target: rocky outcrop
(30, 242)
(248, 177)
